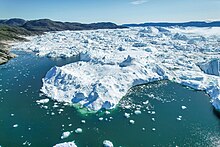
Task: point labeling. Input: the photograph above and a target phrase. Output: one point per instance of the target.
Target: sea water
(156, 114)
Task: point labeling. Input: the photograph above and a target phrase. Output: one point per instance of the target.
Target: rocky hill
(15, 29)
(182, 24)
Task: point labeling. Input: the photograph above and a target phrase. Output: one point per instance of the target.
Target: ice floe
(110, 62)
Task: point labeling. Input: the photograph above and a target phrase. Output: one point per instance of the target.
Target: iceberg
(110, 62)
(212, 67)
(95, 86)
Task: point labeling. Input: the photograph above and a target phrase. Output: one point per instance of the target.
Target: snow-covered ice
(110, 62)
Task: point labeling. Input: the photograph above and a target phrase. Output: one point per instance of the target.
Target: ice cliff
(112, 61)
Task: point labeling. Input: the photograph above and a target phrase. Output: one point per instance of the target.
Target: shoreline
(5, 54)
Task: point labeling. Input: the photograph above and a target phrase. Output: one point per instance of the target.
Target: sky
(117, 11)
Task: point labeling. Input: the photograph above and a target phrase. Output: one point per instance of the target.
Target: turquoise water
(43, 125)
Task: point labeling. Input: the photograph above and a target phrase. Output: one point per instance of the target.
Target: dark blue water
(162, 121)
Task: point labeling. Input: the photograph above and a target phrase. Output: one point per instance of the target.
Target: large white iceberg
(112, 61)
(94, 85)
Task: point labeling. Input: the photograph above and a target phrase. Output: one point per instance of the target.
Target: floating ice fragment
(107, 112)
(146, 102)
(65, 135)
(66, 144)
(179, 118)
(127, 107)
(42, 101)
(127, 115)
(78, 130)
(15, 125)
(153, 112)
(131, 121)
(83, 121)
(100, 118)
(183, 107)
(107, 143)
(137, 112)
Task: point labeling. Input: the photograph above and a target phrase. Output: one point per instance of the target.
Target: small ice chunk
(146, 102)
(137, 112)
(12, 114)
(100, 118)
(107, 112)
(143, 129)
(153, 112)
(153, 129)
(127, 115)
(107, 143)
(127, 107)
(42, 101)
(65, 134)
(179, 118)
(131, 121)
(66, 144)
(83, 121)
(78, 130)
(183, 107)
(153, 119)
(15, 125)
(60, 110)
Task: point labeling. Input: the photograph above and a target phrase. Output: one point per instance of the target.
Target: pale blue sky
(118, 11)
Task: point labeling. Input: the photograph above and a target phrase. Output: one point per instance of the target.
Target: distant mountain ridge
(46, 25)
(181, 24)
(15, 29)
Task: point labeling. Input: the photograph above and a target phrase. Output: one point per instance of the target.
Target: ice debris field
(110, 62)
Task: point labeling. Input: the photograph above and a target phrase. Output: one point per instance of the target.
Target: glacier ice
(212, 67)
(110, 62)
